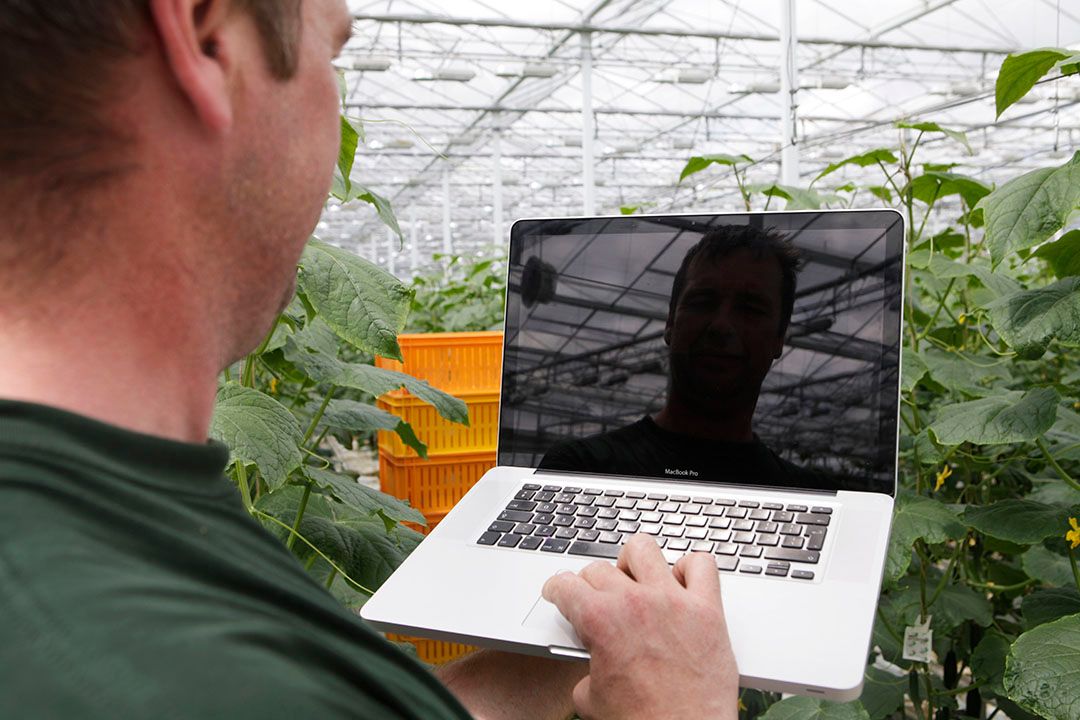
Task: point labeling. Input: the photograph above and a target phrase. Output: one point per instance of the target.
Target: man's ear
(667, 333)
(190, 33)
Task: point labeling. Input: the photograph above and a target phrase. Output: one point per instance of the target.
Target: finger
(568, 592)
(697, 572)
(583, 698)
(604, 576)
(642, 560)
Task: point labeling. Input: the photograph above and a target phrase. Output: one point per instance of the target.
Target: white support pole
(588, 126)
(497, 191)
(447, 241)
(414, 243)
(789, 86)
(391, 251)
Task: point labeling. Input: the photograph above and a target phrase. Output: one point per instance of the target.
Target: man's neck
(685, 418)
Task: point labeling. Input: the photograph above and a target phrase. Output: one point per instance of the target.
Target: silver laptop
(726, 383)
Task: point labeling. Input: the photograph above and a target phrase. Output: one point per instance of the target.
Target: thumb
(583, 704)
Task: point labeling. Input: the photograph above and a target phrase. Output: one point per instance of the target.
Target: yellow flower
(941, 476)
(273, 386)
(1073, 536)
(962, 319)
(742, 705)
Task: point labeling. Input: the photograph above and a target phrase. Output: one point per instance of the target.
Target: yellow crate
(466, 362)
(435, 485)
(434, 652)
(441, 435)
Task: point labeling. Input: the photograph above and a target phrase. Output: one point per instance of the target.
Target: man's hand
(657, 636)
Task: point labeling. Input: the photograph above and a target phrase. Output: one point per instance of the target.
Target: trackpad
(557, 631)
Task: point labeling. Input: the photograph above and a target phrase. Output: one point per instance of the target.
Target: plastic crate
(441, 435)
(434, 652)
(466, 362)
(433, 486)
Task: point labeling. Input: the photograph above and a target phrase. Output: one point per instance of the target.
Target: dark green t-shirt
(134, 585)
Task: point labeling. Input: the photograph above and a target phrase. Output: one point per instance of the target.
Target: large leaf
(1017, 521)
(358, 417)
(700, 162)
(961, 372)
(1029, 320)
(350, 138)
(324, 368)
(1048, 604)
(956, 135)
(915, 517)
(1063, 255)
(1029, 209)
(1042, 672)
(805, 708)
(1007, 417)
(1019, 73)
(1000, 284)
(873, 157)
(797, 198)
(1047, 567)
(363, 303)
(953, 606)
(883, 692)
(362, 499)
(988, 662)
(382, 207)
(912, 368)
(257, 429)
(932, 186)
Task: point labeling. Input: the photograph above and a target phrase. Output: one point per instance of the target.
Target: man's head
(192, 140)
(730, 306)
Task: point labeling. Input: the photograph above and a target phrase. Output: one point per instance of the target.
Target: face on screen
(726, 329)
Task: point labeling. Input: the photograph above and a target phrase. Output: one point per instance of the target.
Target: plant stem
(332, 578)
(1053, 463)
(318, 415)
(299, 515)
(245, 490)
(356, 586)
(933, 319)
(1076, 571)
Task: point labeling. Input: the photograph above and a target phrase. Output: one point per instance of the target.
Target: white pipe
(497, 191)
(447, 241)
(789, 86)
(414, 243)
(588, 126)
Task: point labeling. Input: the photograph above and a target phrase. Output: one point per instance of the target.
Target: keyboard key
(725, 502)
(802, 574)
(545, 496)
(593, 491)
(524, 495)
(791, 555)
(776, 571)
(489, 538)
(821, 509)
(815, 542)
(596, 550)
(584, 523)
(720, 523)
(646, 505)
(772, 506)
(542, 519)
(691, 509)
(750, 551)
(552, 488)
(554, 545)
(796, 508)
(563, 521)
(650, 529)
(530, 543)
(530, 486)
(714, 511)
(611, 538)
(629, 515)
(790, 529)
(703, 500)
(759, 515)
(515, 516)
(565, 510)
(726, 562)
(668, 507)
(749, 503)
(750, 569)
(546, 507)
(607, 524)
(812, 519)
(607, 513)
(564, 497)
(500, 527)
(509, 540)
(726, 548)
(525, 528)
(679, 498)
(736, 513)
(636, 495)
(566, 533)
(657, 496)
(701, 546)
(793, 541)
(783, 517)
(768, 539)
(571, 489)
(767, 527)
(651, 517)
(604, 502)
(696, 533)
(673, 531)
(674, 519)
(628, 526)
(613, 493)
(720, 535)
(583, 500)
(743, 537)
(545, 531)
(742, 525)
(625, 503)
(678, 544)
(697, 521)
(589, 535)
(588, 512)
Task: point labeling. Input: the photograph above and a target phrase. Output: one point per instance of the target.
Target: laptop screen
(757, 349)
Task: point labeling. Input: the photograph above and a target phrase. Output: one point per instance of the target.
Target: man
(161, 165)
(731, 303)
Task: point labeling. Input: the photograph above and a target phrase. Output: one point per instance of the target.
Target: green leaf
(350, 138)
(1017, 521)
(1019, 73)
(1047, 566)
(882, 193)
(805, 708)
(700, 162)
(883, 692)
(1003, 418)
(797, 198)
(1062, 255)
(988, 661)
(362, 499)
(956, 135)
(1029, 320)
(375, 381)
(629, 209)
(932, 186)
(998, 283)
(257, 429)
(961, 372)
(363, 303)
(1042, 672)
(912, 369)
(883, 156)
(358, 417)
(1048, 604)
(915, 517)
(1029, 209)
(382, 206)
(1070, 66)
(955, 605)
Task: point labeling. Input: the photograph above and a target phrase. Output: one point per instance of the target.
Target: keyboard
(749, 537)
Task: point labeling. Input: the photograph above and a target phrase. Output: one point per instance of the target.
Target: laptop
(726, 383)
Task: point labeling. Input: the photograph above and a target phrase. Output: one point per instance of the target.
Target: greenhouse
(591, 359)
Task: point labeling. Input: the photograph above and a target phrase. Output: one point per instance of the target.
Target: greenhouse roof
(449, 91)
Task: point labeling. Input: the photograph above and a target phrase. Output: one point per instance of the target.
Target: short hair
(726, 239)
(57, 62)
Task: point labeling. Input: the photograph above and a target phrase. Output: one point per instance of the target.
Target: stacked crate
(467, 366)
